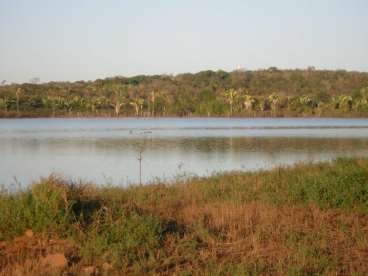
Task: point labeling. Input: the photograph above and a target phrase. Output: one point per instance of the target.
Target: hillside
(260, 93)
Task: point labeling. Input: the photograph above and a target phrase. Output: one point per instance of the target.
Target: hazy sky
(89, 39)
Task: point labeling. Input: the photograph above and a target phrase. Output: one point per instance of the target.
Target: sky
(72, 40)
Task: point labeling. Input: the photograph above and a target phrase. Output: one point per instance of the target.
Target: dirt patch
(30, 253)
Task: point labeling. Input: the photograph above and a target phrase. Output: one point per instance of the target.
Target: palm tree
(347, 102)
(274, 101)
(343, 102)
(91, 104)
(102, 102)
(308, 102)
(118, 100)
(51, 101)
(162, 101)
(137, 103)
(117, 104)
(231, 96)
(264, 104)
(248, 102)
(321, 106)
(305, 100)
(78, 103)
(362, 105)
(68, 104)
(152, 100)
(18, 93)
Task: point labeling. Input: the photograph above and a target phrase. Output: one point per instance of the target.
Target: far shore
(107, 116)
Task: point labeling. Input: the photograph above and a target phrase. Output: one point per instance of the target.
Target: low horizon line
(38, 81)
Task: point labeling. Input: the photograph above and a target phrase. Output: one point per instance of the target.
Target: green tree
(206, 102)
(161, 103)
(4, 104)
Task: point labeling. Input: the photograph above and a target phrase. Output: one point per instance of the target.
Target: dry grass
(295, 221)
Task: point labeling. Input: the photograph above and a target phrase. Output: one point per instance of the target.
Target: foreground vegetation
(270, 92)
(304, 220)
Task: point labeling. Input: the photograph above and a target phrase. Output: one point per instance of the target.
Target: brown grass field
(303, 220)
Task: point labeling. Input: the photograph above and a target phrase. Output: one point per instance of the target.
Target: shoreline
(185, 117)
(312, 218)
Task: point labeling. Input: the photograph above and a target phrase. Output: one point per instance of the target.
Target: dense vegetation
(304, 220)
(270, 92)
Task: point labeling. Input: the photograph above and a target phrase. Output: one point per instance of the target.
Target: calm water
(107, 150)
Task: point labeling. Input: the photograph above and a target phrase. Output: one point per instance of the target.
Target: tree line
(269, 92)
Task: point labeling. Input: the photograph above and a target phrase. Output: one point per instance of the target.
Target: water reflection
(114, 160)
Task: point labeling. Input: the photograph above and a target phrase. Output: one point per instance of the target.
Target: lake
(106, 151)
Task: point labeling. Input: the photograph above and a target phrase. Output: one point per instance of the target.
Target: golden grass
(234, 224)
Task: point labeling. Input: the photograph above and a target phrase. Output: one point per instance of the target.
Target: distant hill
(270, 92)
